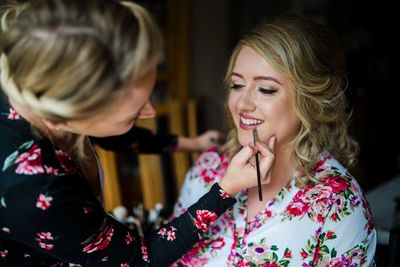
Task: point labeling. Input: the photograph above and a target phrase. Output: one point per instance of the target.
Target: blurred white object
(120, 213)
(134, 221)
(382, 203)
(154, 215)
(138, 212)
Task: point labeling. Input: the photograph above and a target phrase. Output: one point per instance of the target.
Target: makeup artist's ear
(55, 125)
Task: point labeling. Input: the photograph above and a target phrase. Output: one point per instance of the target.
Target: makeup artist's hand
(209, 139)
(242, 174)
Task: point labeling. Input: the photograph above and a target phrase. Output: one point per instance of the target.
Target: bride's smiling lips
(247, 122)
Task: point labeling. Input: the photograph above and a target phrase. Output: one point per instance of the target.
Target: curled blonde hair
(312, 58)
(70, 59)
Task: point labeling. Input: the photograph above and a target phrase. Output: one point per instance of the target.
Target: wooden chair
(181, 121)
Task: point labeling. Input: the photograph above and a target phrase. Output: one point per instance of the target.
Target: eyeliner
(258, 168)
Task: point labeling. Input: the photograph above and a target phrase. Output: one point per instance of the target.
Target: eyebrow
(266, 78)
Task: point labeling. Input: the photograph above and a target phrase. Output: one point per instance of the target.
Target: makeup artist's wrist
(187, 144)
(228, 187)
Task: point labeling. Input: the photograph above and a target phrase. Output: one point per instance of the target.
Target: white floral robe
(327, 224)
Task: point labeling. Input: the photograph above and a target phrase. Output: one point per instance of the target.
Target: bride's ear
(57, 126)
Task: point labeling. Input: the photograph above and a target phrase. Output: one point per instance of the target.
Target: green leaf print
(333, 253)
(274, 257)
(10, 160)
(324, 249)
(3, 202)
(26, 145)
(284, 263)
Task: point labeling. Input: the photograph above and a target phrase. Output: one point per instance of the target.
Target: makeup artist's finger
(267, 160)
(243, 156)
(263, 149)
(266, 164)
(252, 161)
(271, 143)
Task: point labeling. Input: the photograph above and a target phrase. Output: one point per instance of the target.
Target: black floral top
(49, 215)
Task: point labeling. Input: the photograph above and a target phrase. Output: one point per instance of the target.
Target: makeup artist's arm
(206, 140)
(139, 140)
(143, 140)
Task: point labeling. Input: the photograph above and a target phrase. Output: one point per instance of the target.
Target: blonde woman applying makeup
(73, 73)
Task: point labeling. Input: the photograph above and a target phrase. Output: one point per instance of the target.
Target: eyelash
(267, 91)
(236, 86)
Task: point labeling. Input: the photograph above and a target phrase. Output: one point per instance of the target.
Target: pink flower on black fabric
(66, 162)
(6, 230)
(45, 235)
(223, 194)
(128, 238)
(170, 234)
(30, 163)
(124, 265)
(44, 202)
(3, 254)
(101, 242)
(13, 115)
(145, 255)
(88, 207)
(162, 231)
(204, 218)
(43, 240)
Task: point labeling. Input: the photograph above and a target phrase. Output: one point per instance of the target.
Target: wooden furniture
(181, 120)
(171, 98)
(151, 171)
(111, 186)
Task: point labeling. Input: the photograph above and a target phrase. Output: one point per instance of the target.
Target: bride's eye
(236, 86)
(267, 91)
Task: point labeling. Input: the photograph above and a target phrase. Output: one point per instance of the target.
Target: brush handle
(258, 179)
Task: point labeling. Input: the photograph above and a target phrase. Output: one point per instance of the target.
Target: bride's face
(261, 98)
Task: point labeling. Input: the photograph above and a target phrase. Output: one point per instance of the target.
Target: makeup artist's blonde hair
(71, 59)
(312, 58)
